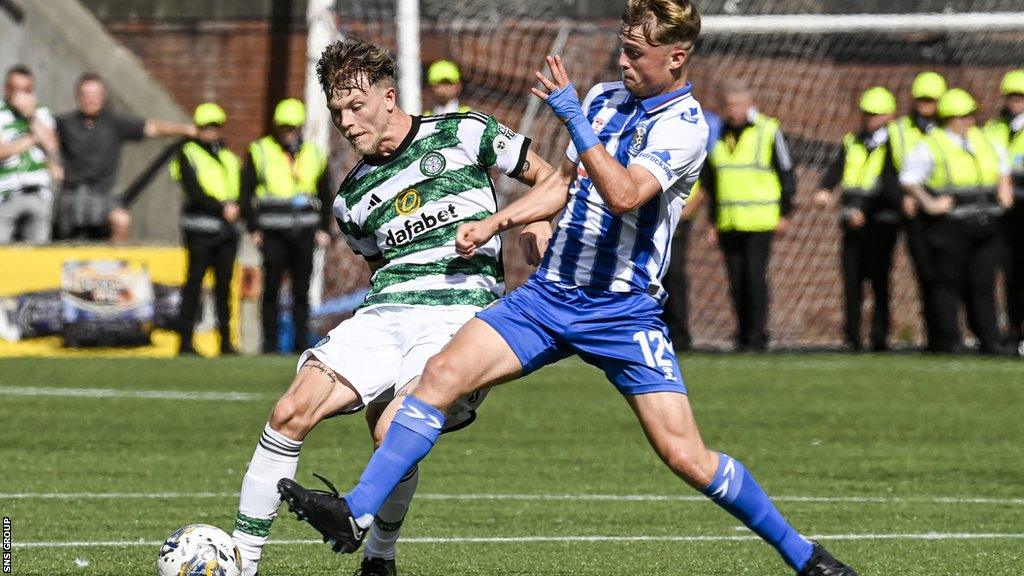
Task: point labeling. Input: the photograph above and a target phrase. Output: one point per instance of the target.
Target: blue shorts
(620, 333)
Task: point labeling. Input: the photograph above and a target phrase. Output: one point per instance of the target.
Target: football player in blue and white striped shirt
(637, 149)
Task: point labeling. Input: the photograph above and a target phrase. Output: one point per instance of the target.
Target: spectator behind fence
(870, 215)
(1007, 130)
(28, 161)
(445, 82)
(961, 180)
(904, 135)
(91, 137)
(210, 177)
(750, 182)
(286, 203)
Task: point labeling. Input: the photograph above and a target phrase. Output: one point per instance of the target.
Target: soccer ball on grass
(199, 550)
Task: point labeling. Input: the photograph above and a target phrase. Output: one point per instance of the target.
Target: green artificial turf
(871, 453)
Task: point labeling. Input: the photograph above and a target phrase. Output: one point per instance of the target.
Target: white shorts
(381, 349)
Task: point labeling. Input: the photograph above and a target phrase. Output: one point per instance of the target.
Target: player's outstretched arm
(541, 202)
(623, 189)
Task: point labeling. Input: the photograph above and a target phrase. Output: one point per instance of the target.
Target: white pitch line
(113, 495)
(671, 498)
(536, 498)
(115, 393)
(930, 536)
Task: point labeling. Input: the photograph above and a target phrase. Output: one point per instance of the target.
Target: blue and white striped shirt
(591, 246)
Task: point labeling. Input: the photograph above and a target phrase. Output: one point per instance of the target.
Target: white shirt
(1017, 124)
(918, 166)
(450, 107)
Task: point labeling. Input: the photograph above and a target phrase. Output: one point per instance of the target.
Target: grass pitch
(902, 465)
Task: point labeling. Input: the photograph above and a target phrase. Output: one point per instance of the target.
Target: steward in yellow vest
(962, 181)
(1007, 132)
(871, 194)
(750, 182)
(283, 184)
(746, 189)
(904, 135)
(906, 131)
(209, 174)
(286, 202)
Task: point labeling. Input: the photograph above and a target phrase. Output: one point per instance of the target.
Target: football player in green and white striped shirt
(399, 208)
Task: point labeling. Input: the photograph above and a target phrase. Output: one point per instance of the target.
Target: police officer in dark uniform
(961, 179)
(286, 203)
(1007, 131)
(209, 174)
(904, 134)
(869, 217)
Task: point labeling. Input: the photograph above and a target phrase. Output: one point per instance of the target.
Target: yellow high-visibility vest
(998, 131)
(862, 170)
(903, 137)
(969, 176)
(748, 189)
(280, 177)
(219, 177)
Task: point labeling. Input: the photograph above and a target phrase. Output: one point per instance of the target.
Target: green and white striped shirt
(406, 209)
(28, 168)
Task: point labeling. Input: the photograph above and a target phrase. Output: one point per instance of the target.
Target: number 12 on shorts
(653, 346)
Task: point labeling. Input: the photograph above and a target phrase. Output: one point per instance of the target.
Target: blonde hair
(664, 21)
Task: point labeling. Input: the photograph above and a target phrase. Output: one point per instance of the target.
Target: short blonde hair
(664, 21)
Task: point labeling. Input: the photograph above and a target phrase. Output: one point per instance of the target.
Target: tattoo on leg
(319, 367)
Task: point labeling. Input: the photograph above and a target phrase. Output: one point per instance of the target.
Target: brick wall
(226, 62)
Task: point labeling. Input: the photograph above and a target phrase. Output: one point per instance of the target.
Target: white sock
(380, 542)
(276, 457)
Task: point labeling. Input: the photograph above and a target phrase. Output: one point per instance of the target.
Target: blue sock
(410, 437)
(734, 489)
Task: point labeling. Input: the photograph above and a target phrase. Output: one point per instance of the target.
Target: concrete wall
(59, 40)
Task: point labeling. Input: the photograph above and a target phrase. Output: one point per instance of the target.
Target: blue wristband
(567, 108)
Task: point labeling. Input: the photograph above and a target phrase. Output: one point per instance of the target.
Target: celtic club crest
(432, 164)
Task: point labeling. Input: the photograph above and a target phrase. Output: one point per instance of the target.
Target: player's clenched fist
(473, 235)
(534, 241)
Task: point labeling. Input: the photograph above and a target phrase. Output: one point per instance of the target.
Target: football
(199, 550)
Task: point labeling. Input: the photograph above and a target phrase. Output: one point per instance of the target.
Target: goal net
(805, 68)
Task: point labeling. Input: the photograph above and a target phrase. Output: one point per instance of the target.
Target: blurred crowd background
(120, 89)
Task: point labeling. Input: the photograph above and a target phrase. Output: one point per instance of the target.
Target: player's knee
(440, 380)
(689, 465)
(291, 418)
(437, 372)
